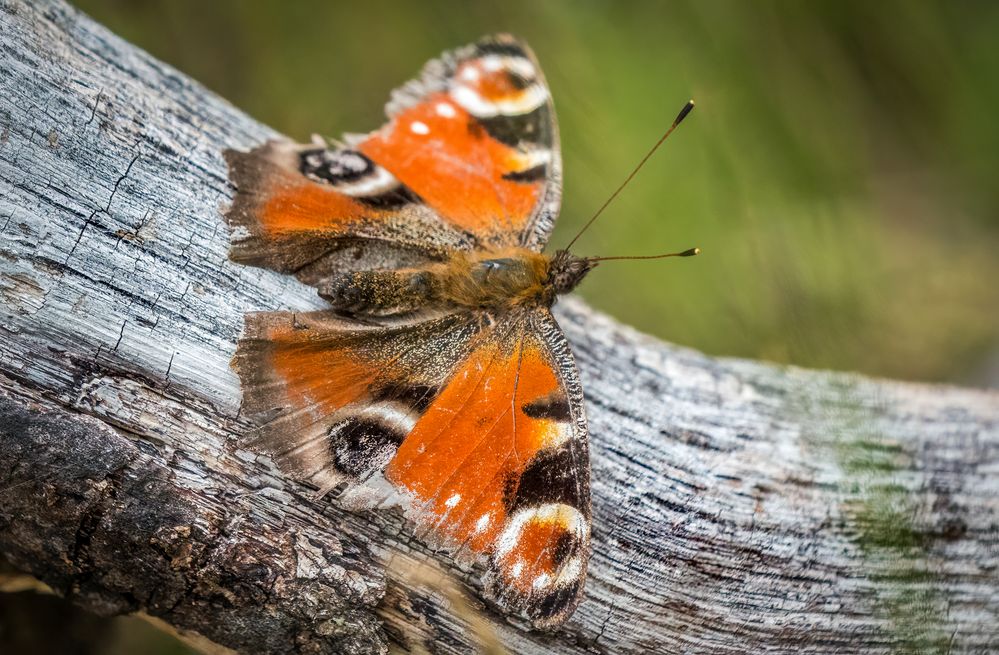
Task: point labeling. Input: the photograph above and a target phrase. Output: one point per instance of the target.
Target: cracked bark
(738, 506)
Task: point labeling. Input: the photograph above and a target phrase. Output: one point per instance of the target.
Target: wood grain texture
(738, 506)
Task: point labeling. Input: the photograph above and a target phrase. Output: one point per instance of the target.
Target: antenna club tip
(691, 252)
(683, 112)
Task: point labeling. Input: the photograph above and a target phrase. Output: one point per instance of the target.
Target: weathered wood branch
(738, 506)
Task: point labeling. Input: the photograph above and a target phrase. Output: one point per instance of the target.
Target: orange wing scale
(318, 377)
(474, 439)
(437, 149)
(296, 204)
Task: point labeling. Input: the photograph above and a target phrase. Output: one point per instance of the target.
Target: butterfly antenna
(683, 114)
(686, 253)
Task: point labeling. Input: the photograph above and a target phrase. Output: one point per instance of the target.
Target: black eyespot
(556, 602)
(359, 447)
(335, 166)
(513, 130)
(551, 477)
(519, 81)
(566, 546)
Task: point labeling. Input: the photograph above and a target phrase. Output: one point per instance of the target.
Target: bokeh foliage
(839, 172)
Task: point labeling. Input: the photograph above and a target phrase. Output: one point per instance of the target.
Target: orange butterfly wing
(477, 429)
(318, 386)
(498, 464)
(469, 159)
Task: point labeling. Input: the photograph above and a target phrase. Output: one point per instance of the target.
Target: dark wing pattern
(499, 464)
(333, 398)
(468, 159)
(475, 427)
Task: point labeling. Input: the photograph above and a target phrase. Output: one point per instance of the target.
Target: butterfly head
(566, 271)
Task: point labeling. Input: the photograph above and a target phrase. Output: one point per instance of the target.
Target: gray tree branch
(738, 506)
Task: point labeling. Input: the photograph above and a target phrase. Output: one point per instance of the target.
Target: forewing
(468, 159)
(311, 212)
(475, 136)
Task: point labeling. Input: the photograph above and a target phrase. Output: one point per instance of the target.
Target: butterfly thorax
(516, 276)
(487, 279)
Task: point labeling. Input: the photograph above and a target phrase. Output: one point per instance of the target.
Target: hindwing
(472, 422)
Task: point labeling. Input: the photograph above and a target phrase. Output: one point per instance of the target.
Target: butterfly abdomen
(380, 293)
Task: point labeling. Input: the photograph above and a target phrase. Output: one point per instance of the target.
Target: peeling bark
(738, 506)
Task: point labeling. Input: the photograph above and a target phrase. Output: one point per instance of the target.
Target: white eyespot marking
(483, 522)
(517, 65)
(452, 501)
(349, 162)
(470, 74)
(336, 164)
(555, 434)
(523, 102)
(468, 89)
(534, 157)
(491, 63)
(419, 127)
(446, 110)
(570, 571)
(570, 518)
(522, 67)
(394, 415)
(542, 581)
(379, 181)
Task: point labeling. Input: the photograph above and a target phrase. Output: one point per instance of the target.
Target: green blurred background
(839, 172)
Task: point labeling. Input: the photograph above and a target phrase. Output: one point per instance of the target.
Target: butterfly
(438, 378)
